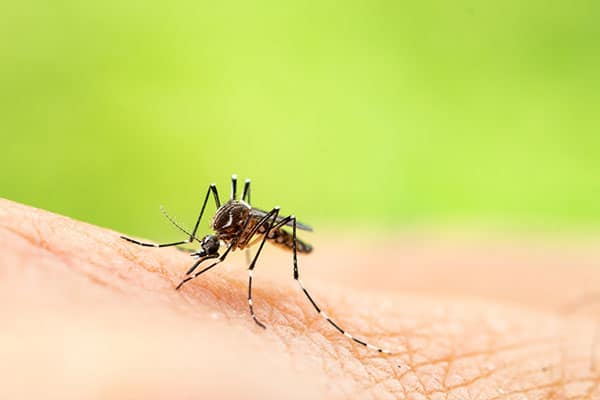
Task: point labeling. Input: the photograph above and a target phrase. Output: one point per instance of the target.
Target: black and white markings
(235, 225)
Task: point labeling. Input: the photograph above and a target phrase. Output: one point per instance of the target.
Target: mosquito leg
(246, 198)
(197, 274)
(246, 192)
(272, 214)
(233, 186)
(195, 265)
(231, 246)
(200, 261)
(314, 304)
(146, 244)
(211, 189)
(257, 227)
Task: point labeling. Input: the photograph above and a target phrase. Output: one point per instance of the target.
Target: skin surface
(85, 314)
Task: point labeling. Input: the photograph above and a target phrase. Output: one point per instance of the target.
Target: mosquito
(238, 225)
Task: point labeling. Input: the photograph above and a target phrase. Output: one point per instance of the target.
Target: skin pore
(85, 314)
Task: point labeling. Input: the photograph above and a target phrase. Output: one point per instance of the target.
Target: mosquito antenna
(172, 221)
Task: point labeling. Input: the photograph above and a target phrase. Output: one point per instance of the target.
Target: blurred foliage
(377, 112)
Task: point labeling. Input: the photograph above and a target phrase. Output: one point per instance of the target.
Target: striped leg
(246, 192)
(211, 189)
(272, 227)
(233, 186)
(197, 263)
(146, 244)
(200, 261)
(321, 312)
(231, 246)
(197, 274)
(246, 198)
(272, 214)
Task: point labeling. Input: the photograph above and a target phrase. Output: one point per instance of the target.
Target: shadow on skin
(86, 314)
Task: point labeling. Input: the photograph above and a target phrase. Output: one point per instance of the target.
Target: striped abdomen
(285, 239)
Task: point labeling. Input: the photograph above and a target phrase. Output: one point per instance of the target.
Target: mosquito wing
(261, 213)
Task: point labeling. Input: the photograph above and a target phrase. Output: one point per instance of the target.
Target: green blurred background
(376, 113)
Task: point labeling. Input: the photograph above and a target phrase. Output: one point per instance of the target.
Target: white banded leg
(221, 259)
(198, 262)
(272, 214)
(336, 326)
(316, 306)
(246, 192)
(147, 244)
(197, 274)
(233, 186)
(250, 305)
(246, 198)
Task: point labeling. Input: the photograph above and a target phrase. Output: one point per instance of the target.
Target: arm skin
(84, 314)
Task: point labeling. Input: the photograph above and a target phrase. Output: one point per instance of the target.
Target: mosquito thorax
(230, 218)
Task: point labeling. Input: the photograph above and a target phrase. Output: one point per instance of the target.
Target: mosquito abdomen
(285, 239)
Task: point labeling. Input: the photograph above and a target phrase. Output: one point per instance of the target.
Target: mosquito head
(210, 246)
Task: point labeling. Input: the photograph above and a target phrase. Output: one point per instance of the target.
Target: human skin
(86, 315)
